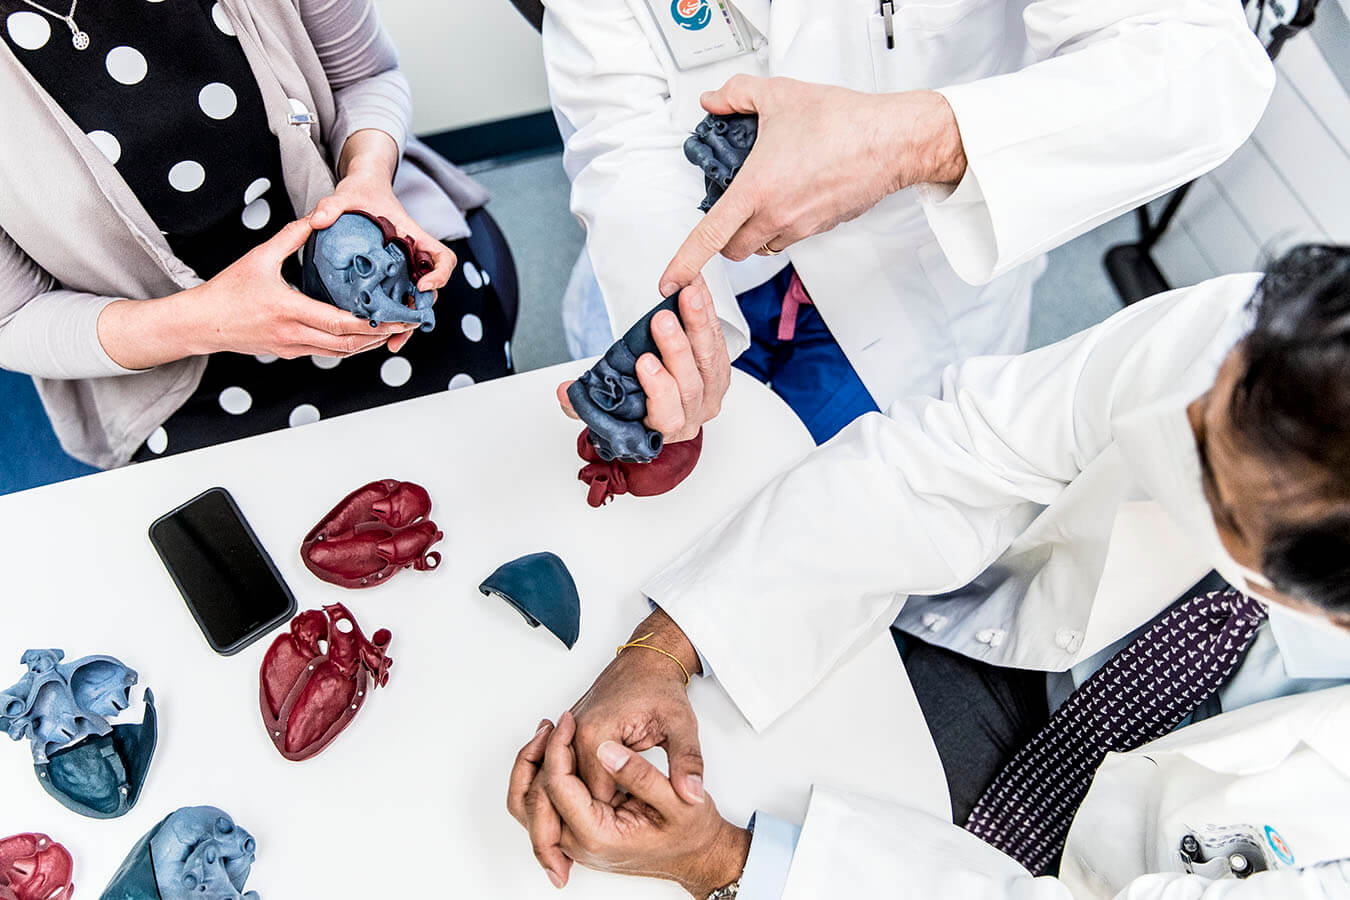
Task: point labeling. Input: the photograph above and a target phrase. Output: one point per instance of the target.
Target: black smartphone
(230, 584)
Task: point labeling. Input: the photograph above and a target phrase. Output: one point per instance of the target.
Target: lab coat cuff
(961, 219)
(771, 851)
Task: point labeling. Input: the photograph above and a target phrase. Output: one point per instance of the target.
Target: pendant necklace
(77, 37)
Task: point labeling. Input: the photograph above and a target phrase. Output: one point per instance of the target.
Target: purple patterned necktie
(1139, 695)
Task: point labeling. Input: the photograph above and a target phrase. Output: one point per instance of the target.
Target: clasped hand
(585, 794)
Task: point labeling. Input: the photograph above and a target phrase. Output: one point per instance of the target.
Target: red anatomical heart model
(609, 479)
(374, 532)
(34, 867)
(315, 679)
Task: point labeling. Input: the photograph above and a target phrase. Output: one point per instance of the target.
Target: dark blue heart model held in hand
(362, 265)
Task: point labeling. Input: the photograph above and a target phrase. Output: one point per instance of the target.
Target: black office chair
(532, 10)
(1131, 266)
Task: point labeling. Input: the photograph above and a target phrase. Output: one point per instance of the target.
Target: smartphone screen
(229, 582)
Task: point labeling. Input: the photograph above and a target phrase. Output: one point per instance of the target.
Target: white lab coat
(1282, 764)
(1071, 111)
(1068, 481)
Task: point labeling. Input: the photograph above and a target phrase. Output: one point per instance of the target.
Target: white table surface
(410, 800)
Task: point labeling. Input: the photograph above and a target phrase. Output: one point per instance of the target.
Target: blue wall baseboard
(29, 452)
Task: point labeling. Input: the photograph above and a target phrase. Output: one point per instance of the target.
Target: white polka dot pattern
(108, 145)
(126, 65)
(256, 190)
(472, 327)
(326, 362)
(266, 358)
(29, 30)
(257, 214)
(472, 275)
(158, 441)
(396, 371)
(187, 176)
(461, 380)
(218, 100)
(304, 414)
(222, 20)
(236, 401)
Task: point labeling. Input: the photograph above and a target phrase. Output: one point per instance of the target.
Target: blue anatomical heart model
(196, 853)
(362, 265)
(542, 590)
(719, 146)
(89, 765)
(611, 401)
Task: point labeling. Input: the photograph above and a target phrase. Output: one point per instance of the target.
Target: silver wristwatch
(726, 893)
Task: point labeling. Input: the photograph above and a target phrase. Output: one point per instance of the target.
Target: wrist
(669, 637)
(924, 145)
(142, 334)
(370, 155)
(719, 864)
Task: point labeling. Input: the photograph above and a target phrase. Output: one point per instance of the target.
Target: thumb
(738, 95)
(686, 765)
(287, 241)
(638, 777)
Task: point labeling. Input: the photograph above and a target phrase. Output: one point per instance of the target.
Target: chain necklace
(77, 37)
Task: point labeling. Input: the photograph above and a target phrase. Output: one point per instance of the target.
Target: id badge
(701, 32)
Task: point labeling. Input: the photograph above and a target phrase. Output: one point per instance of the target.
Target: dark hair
(1292, 403)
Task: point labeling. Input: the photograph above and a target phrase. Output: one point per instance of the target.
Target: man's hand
(688, 389)
(639, 701)
(647, 830)
(824, 155)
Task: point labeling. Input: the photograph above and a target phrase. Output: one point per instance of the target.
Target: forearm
(661, 631)
(722, 865)
(142, 334)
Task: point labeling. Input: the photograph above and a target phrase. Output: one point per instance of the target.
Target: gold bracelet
(644, 646)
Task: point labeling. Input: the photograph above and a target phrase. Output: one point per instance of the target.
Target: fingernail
(542, 725)
(612, 756)
(555, 879)
(650, 366)
(696, 300)
(668, 288)
(665, 324)
(694, 783)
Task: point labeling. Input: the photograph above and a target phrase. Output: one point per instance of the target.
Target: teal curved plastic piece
(542, 590)
(102, 777)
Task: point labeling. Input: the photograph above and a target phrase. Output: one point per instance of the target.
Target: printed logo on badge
(693, 15)
(1277, 844)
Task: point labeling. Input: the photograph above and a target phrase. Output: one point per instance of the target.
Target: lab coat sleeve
(920, 500)
(1126, 101)
(877, 849)
(632, 188)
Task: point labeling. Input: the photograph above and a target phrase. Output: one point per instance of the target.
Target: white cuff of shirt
(771, 850)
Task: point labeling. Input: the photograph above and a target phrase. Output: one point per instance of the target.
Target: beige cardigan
(66, 253)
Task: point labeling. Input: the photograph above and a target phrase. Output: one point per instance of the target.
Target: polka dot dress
(163, 90)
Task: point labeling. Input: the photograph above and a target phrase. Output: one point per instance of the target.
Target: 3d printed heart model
(610, 400)
(719, 146)
(196, 853)
(541, 589)
(610, 478)
(374, 532)
(89, 765)
(35, 867)
(362, 265)
(315, 679)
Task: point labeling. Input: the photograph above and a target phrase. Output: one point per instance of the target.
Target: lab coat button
(991, 636)
(933, 621)
(1068, 639)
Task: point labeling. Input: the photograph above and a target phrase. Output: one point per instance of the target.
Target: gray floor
(529, 199)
